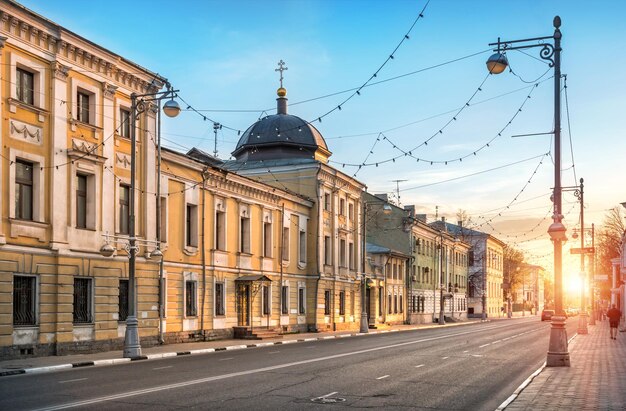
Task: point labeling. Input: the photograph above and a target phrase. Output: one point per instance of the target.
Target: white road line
(324, 396)
(484, 345)
(444, 358)
(384, 376)
(497, 341)
(188, 383)
(339, 343)
(226, 359)
(162, 368)
(476, 355)
(273, 352)
(418, 366)
(77, 379)
(465, 351)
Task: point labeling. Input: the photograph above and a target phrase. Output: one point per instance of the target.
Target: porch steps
(245, 333)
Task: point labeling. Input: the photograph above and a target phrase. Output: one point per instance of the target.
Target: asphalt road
(471, 367)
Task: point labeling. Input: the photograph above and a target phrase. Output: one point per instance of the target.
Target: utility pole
(398, 189)
(216, 126)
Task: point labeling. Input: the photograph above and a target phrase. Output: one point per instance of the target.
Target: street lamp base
(582, 324)
(364, 323)
(442, 319)
(558, 356)
(132, 347)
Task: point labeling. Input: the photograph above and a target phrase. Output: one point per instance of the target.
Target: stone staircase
(260, 333)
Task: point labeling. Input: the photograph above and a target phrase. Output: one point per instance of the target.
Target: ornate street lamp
(132, 347)
(558, 354)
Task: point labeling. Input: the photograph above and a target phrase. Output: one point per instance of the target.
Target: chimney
(421, 217)
(410, 209)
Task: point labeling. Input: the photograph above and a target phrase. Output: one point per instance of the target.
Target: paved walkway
(596, 379)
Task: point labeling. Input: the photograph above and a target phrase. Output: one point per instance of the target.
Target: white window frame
(36, 299)
(245, 229)
(268, 234)
(328, 250)
(39, 178)
(285, 300)
(224, 299)
(190, 277)
(92, 210)
(343, 261)
(301, 299)
(95, 110)
(221, 237)
(34, 67)
(191, 199)
(269, 304)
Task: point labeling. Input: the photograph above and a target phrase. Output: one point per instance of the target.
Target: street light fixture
(139, 103)
(558, 354)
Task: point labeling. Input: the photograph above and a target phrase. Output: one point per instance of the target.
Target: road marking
(325, 396)
(418, 366)
(484, 345)
(273, 352)
(444, 358)
(497, 341)
(340, 343)
(188, 383)
(77, 379)
(226, 359)
(162, 368)
(476, 355)
(384, 376)
(465, 351)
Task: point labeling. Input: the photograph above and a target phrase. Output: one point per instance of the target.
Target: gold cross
(281, 68)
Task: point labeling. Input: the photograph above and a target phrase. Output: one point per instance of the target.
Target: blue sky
(222, 56)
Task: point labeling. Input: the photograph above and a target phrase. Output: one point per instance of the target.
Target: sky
(222, 56)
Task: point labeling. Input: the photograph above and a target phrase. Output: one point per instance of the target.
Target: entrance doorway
(243, 305)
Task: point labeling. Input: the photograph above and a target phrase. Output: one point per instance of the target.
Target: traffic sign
(583, 250)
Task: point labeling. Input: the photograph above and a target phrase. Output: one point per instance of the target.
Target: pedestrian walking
(614, 316)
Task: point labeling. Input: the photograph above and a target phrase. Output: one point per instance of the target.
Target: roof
(378, 249)
(460, 231)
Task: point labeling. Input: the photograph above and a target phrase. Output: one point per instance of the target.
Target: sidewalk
(594, 381)
(56, 363)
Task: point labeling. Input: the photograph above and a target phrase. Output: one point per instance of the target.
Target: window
(395, 303)
(401, 303)
(351, 211)
(266, 300)
(124, 129)
(342, 206)
(342, 253)
(25, 83)
(191, 306)
(390, 308)
(81, 201)
(163, 212)
(328, 252)
(220, 299)
(122, 304)
(380, 301)
(327, 201)
(191, 226)
(220, 230)
(351, 256)
(284, 300)
(82, 105)
(82, 300)
(267, 239)
(24, 300)
(124, 208)
(326, 302)
(342, 303)
(285, 244)
(23, 190)
(302, 247)
(353, 303)
(244, 235)
(301, 300)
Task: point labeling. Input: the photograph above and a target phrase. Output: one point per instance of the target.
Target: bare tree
(608, 243)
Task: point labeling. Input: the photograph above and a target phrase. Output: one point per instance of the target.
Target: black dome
(280, 136)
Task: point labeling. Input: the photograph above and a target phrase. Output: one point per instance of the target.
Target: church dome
(281, 136)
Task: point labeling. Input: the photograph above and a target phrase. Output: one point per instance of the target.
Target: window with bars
(25, 82)
(220, 300)
(124, 208)
(301, 301)
(82, 301)
(191, 306)
(82, 106)
(24, 300)
(284, 300)
(342, 303)
(23, 190)
(124, 129)
(122, 304)
(326, 302)
(81, 201)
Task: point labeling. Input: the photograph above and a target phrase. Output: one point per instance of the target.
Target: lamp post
(558, 354)
(582, 318)
(484, 296)
(132, 347)
(364, 325)
(442, 319)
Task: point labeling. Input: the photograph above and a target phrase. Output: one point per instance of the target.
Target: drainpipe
(317, 246)
(203, 251)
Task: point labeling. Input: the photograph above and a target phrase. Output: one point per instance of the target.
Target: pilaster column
(2, 237)
(109, 216)
(148, 179)
(59, 180)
